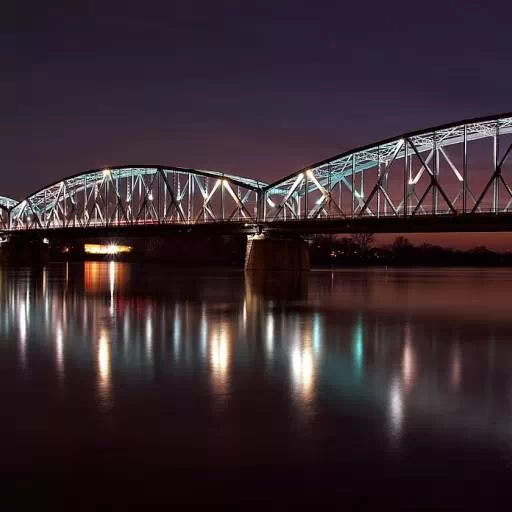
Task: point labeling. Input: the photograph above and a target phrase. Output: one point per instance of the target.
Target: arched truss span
(463, 167)
(138, 194)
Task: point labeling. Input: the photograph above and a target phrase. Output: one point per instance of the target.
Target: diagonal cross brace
(382, 177)
(433, 179)
(495, 174)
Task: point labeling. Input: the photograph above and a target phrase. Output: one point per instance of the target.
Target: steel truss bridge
(454, 177)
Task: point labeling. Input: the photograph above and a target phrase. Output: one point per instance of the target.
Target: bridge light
(106, 172)
(271, 203)
(109, 249)
(46, 241)
(150, 196)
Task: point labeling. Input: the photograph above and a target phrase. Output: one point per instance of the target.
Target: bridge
(453, 177)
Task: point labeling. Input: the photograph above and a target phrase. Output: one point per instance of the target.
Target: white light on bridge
(106, 249)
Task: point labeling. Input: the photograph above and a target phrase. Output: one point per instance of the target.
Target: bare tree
(362, 241)
(401, 244)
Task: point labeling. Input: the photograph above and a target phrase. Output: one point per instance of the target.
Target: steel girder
(139, 195)
(433, 171)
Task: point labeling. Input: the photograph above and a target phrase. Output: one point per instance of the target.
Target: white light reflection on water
(112, 284)
(303, 365)
(104, 369)
(396, 408)
(176, 332)
(270, 332)
(22, 326)
(220, 357)
(149, 334)
(303, 371)
(59, 349)
(408, 360)
(203, 330)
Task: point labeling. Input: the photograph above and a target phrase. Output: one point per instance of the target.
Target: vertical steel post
(362, 184)
(353, 183)
(140, 193)
(189, 194)
(165, 198)
(406, 180)
(465, 170)
(496, 184)
(305, 195)
(329, 188)
(44, 208)
(378, 180)
(192, 198)
(85, 202)
(204, 198)
(118, 196)
(435, 190)
(96, 203)
(159, 185)
(106, 202)
(222, 198)
(340, 194)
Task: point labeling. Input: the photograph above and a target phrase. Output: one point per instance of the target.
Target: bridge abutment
(265, 253)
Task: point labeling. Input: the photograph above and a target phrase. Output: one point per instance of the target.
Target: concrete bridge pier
(266, 253)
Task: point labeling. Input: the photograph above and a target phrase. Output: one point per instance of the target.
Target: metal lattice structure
(451, 169)
(462, 167)
(6, 204)
(131, 195)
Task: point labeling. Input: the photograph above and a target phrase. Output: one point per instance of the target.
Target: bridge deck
(474, 222)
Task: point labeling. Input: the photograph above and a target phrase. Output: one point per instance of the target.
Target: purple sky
(255, 88)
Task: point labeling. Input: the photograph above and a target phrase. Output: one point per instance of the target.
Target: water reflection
(220, 357)
(104, 369)
(59, 349)
(303, 372)
(328, 343)
(22, 323)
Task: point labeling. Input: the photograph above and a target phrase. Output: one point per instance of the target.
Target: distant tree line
(360, 249)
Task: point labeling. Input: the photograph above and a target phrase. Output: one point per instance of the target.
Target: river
(369, 387)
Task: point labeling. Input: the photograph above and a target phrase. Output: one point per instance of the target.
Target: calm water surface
(363, 387)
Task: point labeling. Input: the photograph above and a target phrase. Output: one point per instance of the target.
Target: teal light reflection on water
(358, 344)
(317, 332)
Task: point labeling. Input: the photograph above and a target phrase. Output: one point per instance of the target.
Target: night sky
(254, 88)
